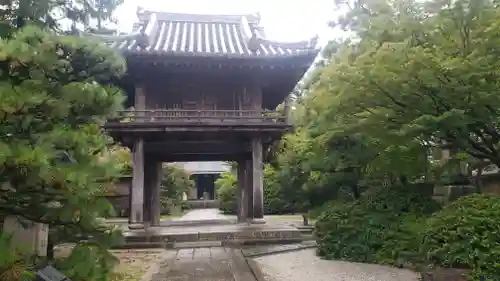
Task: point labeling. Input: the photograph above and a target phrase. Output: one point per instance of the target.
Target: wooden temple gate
(203, 88)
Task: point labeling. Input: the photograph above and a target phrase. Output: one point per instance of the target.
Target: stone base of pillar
(134, 226)
(258, 221)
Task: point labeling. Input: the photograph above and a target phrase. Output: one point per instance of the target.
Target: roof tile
(206, 35)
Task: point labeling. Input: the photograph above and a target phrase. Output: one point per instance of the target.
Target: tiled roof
(205, 35)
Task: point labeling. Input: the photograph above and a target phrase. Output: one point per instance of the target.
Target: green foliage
(175, 182)
(365, 230)
(54, 94)
(226, 192)
(122, 158)
(88, 262)
(317, 211)
(416, 79)
(49, 13)
(466, 234)
(274, 202)
(52, 104)
(15, 264)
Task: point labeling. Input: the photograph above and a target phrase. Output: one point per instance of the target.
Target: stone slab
(240, 233)
(196, 244)
(261, 250)
(205, 264)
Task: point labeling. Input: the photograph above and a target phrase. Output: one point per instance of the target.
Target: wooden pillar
(148, 188)
(140, 102)
(156, 194)
(242, 209)
(258, 181)
(248, 186)
(137, 188)
(146, 207)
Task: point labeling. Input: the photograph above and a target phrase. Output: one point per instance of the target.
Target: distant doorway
(205, 183)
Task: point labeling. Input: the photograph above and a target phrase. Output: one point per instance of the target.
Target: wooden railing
(199, 116)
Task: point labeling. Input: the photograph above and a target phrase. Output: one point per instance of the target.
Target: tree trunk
(355, 192)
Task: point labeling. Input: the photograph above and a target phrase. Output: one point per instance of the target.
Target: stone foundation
(161, 236)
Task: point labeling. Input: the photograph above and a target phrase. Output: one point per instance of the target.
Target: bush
(274, 202)
(365, 230)
(14, 264)
(273, 199)
(175, 182)
(466, 234)
(226, 192)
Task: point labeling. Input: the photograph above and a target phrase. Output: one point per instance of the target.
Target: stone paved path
(204, 264)
(305, 265)
(202, 214)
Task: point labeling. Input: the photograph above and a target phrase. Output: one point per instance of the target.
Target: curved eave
(157, 54)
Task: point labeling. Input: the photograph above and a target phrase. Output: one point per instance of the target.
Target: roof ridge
(144, 15)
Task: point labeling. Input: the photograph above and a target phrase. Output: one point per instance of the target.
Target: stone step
(233, 243)
(254, 242)
(143, 245)
(197, 222)
(167, 237)
(211, 236)
(261, 250)
(308, 237)
(306, 229)
(196, 244)
(207, 244)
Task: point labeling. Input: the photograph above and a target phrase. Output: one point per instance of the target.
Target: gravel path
(305, 265)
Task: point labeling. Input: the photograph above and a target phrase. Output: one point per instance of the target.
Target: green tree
(53, 99)
(424, 75)
(55, 14)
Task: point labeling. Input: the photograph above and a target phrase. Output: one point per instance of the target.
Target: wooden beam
(196, 147)
(197, 157)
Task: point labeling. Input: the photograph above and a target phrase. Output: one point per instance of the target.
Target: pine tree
(53, 98)
(55, 92)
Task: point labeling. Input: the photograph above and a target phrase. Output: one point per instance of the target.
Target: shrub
(273, 199)
(226, 192)
(175, 182)
(15, 265)
(274, 202)
(315, 212)
(365, 230)
(466, 234)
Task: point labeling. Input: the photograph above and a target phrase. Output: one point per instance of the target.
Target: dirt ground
(133, 263)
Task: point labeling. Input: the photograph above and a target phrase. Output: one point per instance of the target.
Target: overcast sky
(292, 20)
